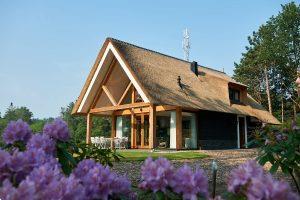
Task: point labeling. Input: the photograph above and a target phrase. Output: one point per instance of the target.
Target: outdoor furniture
(93, 140)
(106, 143)
(117, 142)
(124, 141)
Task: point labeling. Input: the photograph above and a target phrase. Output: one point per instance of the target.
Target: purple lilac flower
(58, 130)
(42, 141)
(156, 174)
(121, 185)
(45, 181)
(71, 188)
(242, 175)
(4, 160)
(7, 191)
(294, 125)
(83, 167)
(268, 188)
(190, 184)
(24, 192)
(16, 131)
(279, 137)
(38, 157)
(100, 182)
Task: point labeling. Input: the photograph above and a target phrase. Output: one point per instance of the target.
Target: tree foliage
(77, 124)
(275, 49)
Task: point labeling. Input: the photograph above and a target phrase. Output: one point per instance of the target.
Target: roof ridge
(117, 40)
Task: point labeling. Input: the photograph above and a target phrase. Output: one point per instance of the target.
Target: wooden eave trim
(104, 81)
(119, 107)
(131, 71)
(90, 76)
(159, 108)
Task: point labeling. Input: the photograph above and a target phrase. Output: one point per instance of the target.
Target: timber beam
(119, 107)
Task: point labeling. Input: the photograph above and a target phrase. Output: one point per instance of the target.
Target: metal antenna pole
(186, 44)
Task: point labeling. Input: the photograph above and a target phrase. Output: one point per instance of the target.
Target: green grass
(140, 155)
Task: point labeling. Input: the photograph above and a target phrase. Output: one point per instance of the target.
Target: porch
(149, 126)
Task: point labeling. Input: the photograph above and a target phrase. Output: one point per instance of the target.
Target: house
(161, 101)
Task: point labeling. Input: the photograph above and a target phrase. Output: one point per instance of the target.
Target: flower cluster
(156, 175)
(42, 141)
(35, 173)
(17, 131)
(57, 130)
(159, 175)
(250, 180)
(44, 182)
(99, 182)
(190, 184)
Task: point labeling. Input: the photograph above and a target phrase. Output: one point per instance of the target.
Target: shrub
(280, 147)
(42, 166)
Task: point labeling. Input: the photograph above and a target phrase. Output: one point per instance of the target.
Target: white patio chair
(124, 141)
(117, 142)
(93, 140)
(97, 141)
(102, 143)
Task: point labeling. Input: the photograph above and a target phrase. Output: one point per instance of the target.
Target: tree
(14, 113)
(269, 65)
(77, 124)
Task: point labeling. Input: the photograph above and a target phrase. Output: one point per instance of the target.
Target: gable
(116, 89)
(106, 57)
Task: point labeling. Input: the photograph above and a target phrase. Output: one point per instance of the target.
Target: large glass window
(189, 132)
(163, 130)
(126, 128)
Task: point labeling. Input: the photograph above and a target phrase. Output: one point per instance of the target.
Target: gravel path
(226, 160)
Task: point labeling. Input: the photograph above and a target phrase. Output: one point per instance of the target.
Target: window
(234, 95)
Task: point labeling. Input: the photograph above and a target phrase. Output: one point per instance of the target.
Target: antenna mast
(186, 44)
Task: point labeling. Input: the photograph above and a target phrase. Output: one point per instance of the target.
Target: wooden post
(142, 131)
(178, 128)
(89, 122)
(133, 132)
(152, 126)
(113, 129)
(133, 122)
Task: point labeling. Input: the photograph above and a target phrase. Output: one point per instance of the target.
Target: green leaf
(274, 167)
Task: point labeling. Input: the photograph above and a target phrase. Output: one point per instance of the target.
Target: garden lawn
(140, 155)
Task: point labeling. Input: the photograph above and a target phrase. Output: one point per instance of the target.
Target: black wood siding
(217, 130)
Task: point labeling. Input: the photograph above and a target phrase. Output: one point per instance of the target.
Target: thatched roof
(157, 73)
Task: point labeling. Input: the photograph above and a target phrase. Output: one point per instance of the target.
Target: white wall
(173, 130)
(119, 133)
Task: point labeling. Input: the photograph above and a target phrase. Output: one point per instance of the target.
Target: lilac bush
(190, 184)
(36, 172)
(156, 175)
(16, 131)
(160, 176)
(42, 141)
(249, 180)
(99, 182)
(58, 130)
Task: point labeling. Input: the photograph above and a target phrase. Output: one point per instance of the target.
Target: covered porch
(149, 126)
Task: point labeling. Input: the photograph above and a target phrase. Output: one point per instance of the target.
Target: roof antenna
(186, 44)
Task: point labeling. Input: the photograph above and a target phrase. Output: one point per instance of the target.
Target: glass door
(142, 130)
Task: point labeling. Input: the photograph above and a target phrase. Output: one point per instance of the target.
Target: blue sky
(48, 47)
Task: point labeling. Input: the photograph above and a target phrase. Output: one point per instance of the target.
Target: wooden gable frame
(80, 106)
